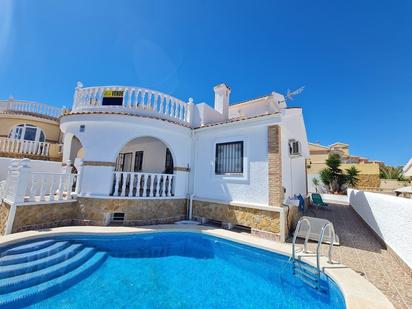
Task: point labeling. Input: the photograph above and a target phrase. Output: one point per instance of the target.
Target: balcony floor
(361, 250)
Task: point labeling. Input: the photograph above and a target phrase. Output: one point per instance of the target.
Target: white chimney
(222, 93)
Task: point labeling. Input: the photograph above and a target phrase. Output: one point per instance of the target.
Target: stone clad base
(97, 211)
(41, 216)
(4, 214)
(263, 223)
(93, 211)
(137, 212)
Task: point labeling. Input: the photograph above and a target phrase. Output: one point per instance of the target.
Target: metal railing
(135, 100)
(143, 185)
(309, 276)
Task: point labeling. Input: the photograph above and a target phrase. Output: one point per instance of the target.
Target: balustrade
(143, 185)
(30, 107)
(23, 146)
(137, 100)
(51, 186)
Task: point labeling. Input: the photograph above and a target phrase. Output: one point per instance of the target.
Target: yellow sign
(113, 94)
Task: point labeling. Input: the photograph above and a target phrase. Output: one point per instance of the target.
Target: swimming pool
(154, 270)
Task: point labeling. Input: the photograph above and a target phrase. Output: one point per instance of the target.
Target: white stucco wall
(104, 137)
(154, 154)
(389, 216)
(204, 114)
(293, 167)
(37, 166)
(250, 187)
(259, 106)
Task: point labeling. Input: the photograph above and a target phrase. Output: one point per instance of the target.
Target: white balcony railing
(51, 187)
(135, 100)
(23, 185)
(30, 107)
(25, 147)
(143, 185)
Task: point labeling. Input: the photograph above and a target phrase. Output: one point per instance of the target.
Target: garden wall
(389, 217)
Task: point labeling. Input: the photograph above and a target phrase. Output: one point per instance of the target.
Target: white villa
(145, 157)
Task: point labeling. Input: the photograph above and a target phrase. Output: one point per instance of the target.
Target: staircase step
(8, 285)
(305, 279)
(309, 269)
(28, 247)
(33, 255)
(47, 289)
(23, 268)
(308, 275)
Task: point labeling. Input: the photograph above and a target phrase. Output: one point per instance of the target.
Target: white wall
(105, 135)
(154, 154)
(250, 187)
(259, 106)
(204, 114)
(294, 167)
(389, 216)
(37, 166)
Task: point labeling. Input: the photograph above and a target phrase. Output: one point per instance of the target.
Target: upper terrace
(32, 108)
(155, 104)
(29, 129)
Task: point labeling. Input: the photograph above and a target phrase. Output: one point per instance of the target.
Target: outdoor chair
(318, 202)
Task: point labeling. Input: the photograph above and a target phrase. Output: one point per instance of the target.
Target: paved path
(360, 250)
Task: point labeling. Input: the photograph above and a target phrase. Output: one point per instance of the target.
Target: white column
(190, 111)
(79, 177)
(23, 173)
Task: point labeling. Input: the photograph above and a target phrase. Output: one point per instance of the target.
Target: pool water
(189, 270)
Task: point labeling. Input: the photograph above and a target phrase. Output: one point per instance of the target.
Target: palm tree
(333, 174)
(352, 178)
(391, 172)
(316, 183)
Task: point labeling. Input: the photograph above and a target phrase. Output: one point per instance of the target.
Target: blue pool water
(188, 270)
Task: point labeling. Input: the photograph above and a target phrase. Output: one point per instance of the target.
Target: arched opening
(76, 152)
(144, 168)
(27, 132)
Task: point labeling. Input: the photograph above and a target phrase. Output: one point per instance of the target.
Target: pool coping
(357, 291)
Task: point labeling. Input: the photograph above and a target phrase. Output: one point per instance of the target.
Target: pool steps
(309, 275)
(32, 272)
(28, 247)
(28, 267)
(33, 255)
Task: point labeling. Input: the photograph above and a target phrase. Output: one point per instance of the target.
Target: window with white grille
(229, 158)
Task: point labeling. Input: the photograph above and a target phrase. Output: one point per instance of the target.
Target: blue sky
(354, 57)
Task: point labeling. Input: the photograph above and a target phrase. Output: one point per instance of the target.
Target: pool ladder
(308, 274)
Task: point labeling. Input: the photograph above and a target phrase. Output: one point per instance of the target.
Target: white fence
(143, 185)
(135, 100)
(389, 216)
(22, 185)
(30, 107)
(23, 146)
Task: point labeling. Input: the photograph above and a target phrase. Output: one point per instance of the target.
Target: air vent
(118, 217)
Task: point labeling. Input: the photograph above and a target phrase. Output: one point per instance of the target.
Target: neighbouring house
(30, 129)
(368, 170)
(145, 157)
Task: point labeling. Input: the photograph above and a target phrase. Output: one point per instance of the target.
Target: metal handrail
(298, 226)
(331, 237)
(328, 226)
